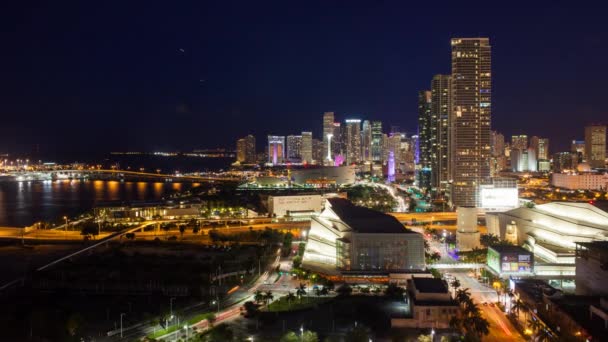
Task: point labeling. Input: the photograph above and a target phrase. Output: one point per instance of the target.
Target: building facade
(276, 149)
(328, 133)
(470, 118)
(352, 140)
(440, 110)
(595, 145)
(245, 150)
(427, 130)
(306, 148)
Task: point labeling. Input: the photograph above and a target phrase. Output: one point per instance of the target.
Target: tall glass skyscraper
(352, 139)
(470, 118)
(441, 90)
(377, 141)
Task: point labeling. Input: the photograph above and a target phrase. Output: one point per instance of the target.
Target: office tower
(385, 148)
(532, 160)
(564, 161)
(498, 144)
(318, 153)
(306, 148)
(595, 145)
(519, 142)
(337, 146)
(440, 109)
(543, 149)
(377, 141)
(245, 150)
(470, 118)
(328, 131)
(426, 135)
(294, 146)
(394, 145)
(276, 149)
(366, 141)
(352, 140)
(577, 147)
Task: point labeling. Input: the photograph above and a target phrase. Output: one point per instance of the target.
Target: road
(231, 305)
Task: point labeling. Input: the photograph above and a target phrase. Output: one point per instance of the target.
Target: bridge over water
(117, 174)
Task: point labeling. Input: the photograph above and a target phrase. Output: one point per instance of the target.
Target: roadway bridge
(117, 174)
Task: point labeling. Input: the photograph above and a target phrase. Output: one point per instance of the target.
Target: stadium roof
(364, 220)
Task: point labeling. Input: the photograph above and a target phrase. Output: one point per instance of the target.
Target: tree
(220, 333)
(89, 229)
(534, 324)
(250, 308)
(130, 236)
(301, 291)
(297, 261)
(455, 284)
(425, 338)
(259, 296)
(344, 290)
(268, 296)
(290, 297)
(74, 323)
(182, 229)
(544, 335)
(360, 333)
(394, 291)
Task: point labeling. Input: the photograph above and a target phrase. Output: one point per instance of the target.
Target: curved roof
(364, 220)
(575, 211)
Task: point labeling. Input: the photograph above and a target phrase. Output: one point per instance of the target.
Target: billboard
(499, 198)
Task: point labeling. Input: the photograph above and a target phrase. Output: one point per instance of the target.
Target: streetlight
(122, 314)
(218, 304)
(171, 306)
(432, 334)
(301, 333)
(186, 327)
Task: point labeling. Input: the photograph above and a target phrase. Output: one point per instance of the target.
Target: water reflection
(22, 203)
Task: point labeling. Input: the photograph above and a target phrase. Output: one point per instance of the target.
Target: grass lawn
(281, 304)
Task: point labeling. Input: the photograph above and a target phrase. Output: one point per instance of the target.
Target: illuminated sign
(499, 198)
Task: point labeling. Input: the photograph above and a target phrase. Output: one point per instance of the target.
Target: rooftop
(429, 285)
(364, 220)
(510, 249)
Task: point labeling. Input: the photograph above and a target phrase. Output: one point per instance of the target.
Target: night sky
(104, 75)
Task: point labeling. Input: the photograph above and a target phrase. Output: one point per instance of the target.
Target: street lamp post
(171, 306)
(121, 315)
(186, 327)
(301, 333)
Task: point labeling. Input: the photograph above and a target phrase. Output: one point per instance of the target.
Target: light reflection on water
(23, 203)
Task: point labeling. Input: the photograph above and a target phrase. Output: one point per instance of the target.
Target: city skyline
(172, 94)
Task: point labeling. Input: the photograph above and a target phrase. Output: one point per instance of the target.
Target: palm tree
(258, 297)
(290, 296)
(534, 324)
(479, 325)
(544, 335)
(268, 296)
(455, 284)
(301, 291)
(463, 296)
(516, 306)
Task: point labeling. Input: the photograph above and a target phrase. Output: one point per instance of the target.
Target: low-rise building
(506, 261)
(580, 181)
(280, 206)
(431, 305)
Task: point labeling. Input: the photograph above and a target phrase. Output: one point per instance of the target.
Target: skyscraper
(595, 145)
(276, 149)
(377, 141)
(352, 139)
(440, 109)
(543, 149)
(306, 148)
(294, 148)
(519, 142)
(328, 131)
(366, 141)
(336, 141)
(427, 143)
(245, 150)
(470, 118)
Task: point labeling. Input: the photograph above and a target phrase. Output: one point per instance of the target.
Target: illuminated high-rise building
(470, 118)
(440, 108)
(498, 144)
(306, 148)
(294, 148)
(276, 149)
(377, 141)
(519, 142)
(427, 139)
(595, 145)
(328, 131)
(352, 140)
(245, 150)
(366, 141)
(337, 146)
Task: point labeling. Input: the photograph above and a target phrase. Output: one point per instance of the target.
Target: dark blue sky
(110, 75)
